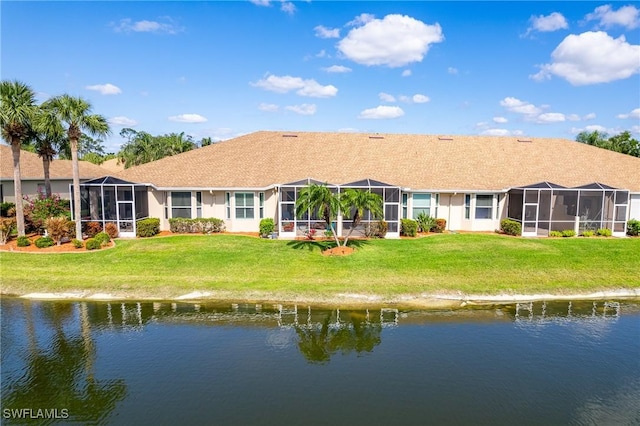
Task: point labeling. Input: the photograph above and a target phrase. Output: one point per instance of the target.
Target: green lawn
(245, 267)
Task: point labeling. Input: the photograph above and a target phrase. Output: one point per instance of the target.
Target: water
(162, 363)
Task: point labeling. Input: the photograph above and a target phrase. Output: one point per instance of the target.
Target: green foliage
(267, 226)
(555, 234)
(425, 222)
(622, 142)
(103, 238)
(6, 209)
(142, 147)
(376, 229)
(77, 243)
(7, 227)
(38, 210)
(633, 228)
(568, 233)
(511, 227)
(211, 225)
(148, 227)
(44, 242)
(91, 229)
(603, 232)
(588, 233)
(111, 229)
(92, 244)
(23, 241)
(408, 227)
(58, 228)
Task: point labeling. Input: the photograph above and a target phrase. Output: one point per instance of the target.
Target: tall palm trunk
(46, 164)
(17, 184)
(76, 188)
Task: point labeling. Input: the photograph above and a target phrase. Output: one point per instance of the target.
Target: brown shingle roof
(260, 159)
(31, 167)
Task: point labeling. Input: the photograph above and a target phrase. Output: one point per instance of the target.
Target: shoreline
(422, 301)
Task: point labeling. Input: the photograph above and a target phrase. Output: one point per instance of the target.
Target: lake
(542, 363)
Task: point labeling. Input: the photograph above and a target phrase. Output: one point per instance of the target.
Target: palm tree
(17, 108)
(47, 138)
(319, 199)
(358, 201)
(75, 112)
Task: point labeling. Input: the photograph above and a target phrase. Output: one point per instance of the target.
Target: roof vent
(376, 137)
(289, 136)
(525, 141)
(445, 138)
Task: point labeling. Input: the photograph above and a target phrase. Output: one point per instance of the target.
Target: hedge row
(196, 226)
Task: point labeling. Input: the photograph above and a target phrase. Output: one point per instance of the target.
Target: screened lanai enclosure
(545, 207)
(111, 200)
(291, 225)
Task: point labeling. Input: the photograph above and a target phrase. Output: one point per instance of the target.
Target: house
(32, 174)
(471, 181)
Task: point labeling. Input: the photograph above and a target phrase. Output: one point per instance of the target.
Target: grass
(250, 268)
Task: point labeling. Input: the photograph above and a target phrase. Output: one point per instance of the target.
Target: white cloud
(420, 99)
(385, 97)
(552, 22)
(590, 116)
(496, 132)
(261, 2)
(361, 19)
(105, 89)
(500, 120)
(337, 69)
(633, 114)
(287, 83)
(452, 70)
(406, 73)
(122, 121)
(324, 32)
(268, 107)
(591, 58)
(188, 118)
(395, 41)
(303, 109)
(127, 26)
(322, 54)
(288, 7)
(404, 98)
(572, 117)
(591, 128)
(382, 112)
(550, 117)
(521, 107)
(635, 129)
(626, 16)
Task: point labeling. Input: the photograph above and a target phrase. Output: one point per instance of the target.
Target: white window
(244, 205)
(484, 206)
(227, 203)
(421, 204)
(198, 204)
(261, 196)
(181, 204)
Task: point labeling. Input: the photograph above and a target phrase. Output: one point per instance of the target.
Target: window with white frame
(244, 205)
(261, 205)
(484, 206)
(467, 206)
(421, 204)
(181, 204)
(405, 198)
(227, 204)
(198, 204)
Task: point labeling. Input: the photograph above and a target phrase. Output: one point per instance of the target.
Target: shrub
(103, 238)
(112, 229)
(511, 227)
(633, 228)
(7, 227)
(148, 227)
(92, 244)
(92, 229)
(441, 225)
(77, 243)
(267, 226)
(604, 232)
(408, 227)
(38, 210)
(44, 242)
(425, 222)
(375, 229)
(23, 241)
(58, 228)
(555, 234)
(568, 233)
(196, 226)
(588, 233)
(6, 209)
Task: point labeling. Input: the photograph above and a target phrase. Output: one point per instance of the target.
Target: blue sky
(227, 68)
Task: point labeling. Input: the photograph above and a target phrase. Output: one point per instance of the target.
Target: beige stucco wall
(634, 207)
(30, 188)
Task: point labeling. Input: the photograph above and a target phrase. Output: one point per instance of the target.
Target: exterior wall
(634, 207)
(452, 207)
(156, 207)
(30, 189)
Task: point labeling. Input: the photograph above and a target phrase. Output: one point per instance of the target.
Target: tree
(17, 108)
(75, 112)
(318, 199)
(47, 138)
(142, 147)
(358, 202)
(622, 142)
